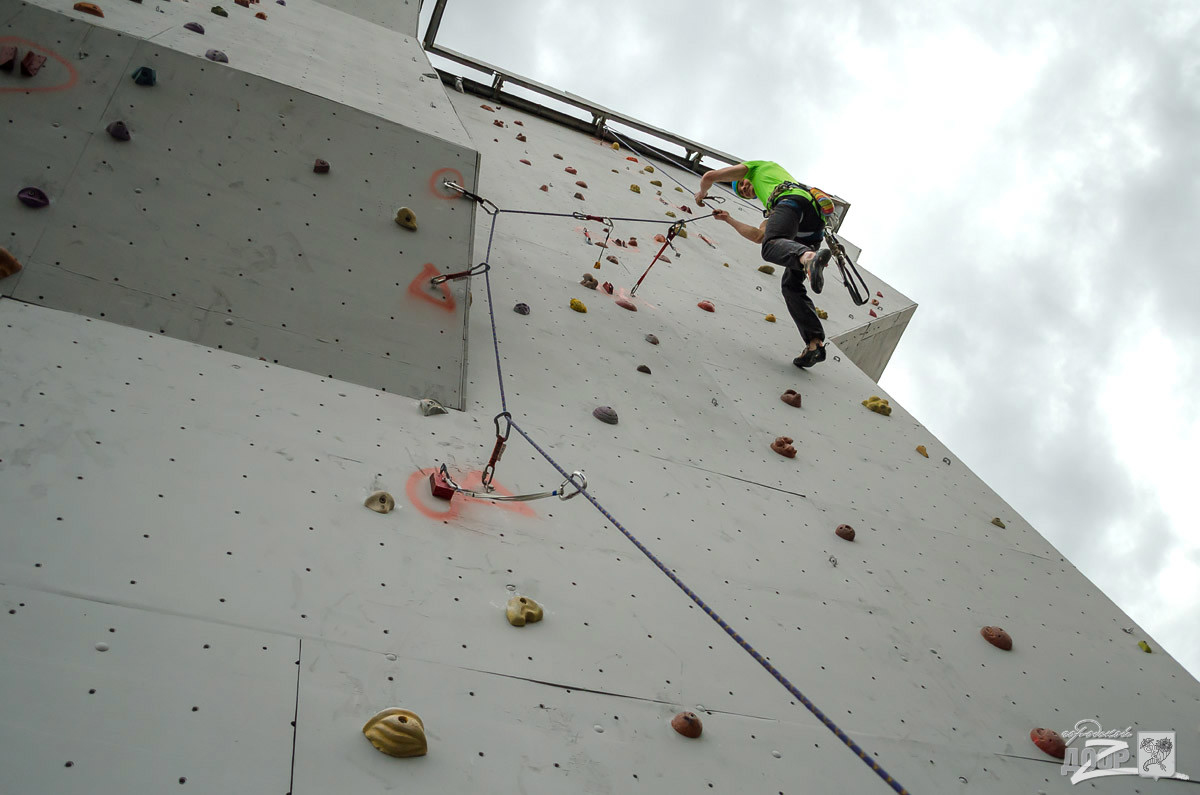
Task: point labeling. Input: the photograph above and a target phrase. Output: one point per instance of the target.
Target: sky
(1027, 172)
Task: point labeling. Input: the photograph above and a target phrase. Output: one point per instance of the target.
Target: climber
(790, 236)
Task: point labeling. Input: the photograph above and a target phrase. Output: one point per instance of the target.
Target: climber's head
(743, 188)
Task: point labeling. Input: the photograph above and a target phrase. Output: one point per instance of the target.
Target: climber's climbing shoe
(816, 270)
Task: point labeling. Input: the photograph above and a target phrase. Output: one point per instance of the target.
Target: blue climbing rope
(582, 487)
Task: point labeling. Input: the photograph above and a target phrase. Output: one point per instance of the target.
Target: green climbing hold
(821, 313)
(670, 214)
(998, 523)
(1144, 646)
(656, 183)
(220, 11)
(636, 188)
(766, 269)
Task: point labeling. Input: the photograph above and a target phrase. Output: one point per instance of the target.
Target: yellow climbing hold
(380, 502)
(679, 189)
(616, 146)
(770, 318)
(998, 523)
(726, 264)
(522, 610)
(1144, 646)
(921, 449)
(670, 213)
(821, 313)
(656, 183)
(766, 268)
(597, 265)
(878, 405)
(397, 732)
(681, 233)
(406, 218)
(577, 305)
(649, 168)
(636, 188)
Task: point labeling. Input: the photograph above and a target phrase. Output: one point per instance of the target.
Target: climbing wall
(209, 223)
(193, 593)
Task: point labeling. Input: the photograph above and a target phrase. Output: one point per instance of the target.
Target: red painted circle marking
(440, 176)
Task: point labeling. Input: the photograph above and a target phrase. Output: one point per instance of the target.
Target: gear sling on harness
(823, 204)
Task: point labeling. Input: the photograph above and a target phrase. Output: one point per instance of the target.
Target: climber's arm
(727, 174)
(752, 233)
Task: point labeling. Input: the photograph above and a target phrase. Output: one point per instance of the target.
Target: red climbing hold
(686, 209)
(581, 183)
(872, 313)
(321, 166)
(526, 162)
(33, 197)
(878, 294)
(570, 170)
(783, 446)
(32, 63)
(260, 15)
(243, 3)
(633, 242)
(521, 137)
(845, 531)
(8, 58)
(632, 159)
(607, 287)
(625, 303)
(612, 259)
(440, 488)
(8, 264)
(687, 724)
(579, 196)
(498, 123)
(1049, 741)
(89, 8)
(488, 108)
(119, 131)
(707, 306)
(997, 637)
(791, 397)
(519, 123)
(545, 188)
(660, 238)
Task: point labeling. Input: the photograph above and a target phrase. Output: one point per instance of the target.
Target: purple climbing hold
(217, 55)
(145, 76)
(605, 414)
(33, 197)
(643, 369)
(280, 2)
(195, 27)
(521, 309)
(650, 338)
(119, 130)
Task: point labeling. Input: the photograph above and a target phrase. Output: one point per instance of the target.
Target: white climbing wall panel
(210, 225)
(193, 596)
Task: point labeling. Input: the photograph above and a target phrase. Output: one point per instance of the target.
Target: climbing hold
(879, 294)
(397, 732)
(429, 407)
(557, 156)
(195, 27)
(521, 309)
(636, 188)
(260, 15)
(8, 263)
(612, 259)
(996, 521)
(589, 281)
(650, 338)
(605, 414)
(872, 313)
(380, 502)
(641, 367)
(581, 183)
(522, 610)
(791, 397)
(8, 57)
(33, 197)
(607, 287)
(89, 8)
(526, 162)
(687, 724)
(579, 196)
(660, 238)
(997, 637)
(1049, 741)
(243, 3)
(32, 63)
(406, 218)
(498, 123)
(648, 168)
(633, 242)
(682, 232)
(281, 2)
(685, 209)
(679, 189)
(521, 137)
(656, 183)
(519, 122)
(878, 405)
(578, 305)
(545, 188)
(570, 170)
(766, 269)
(874, 302)
(670, 214)
(219, 11)
(783, 446)
(921, 449)
(769, 318)
(1144, 646)
(821, 313)
(663, 258)
(597, 265)
(119, 131)
(845, 531)
(216, 55)
(321, 166)
(616, 146)
(707, 306)
(625, 303)
(145, 76)
(439, 486)
(632, 159)
(488, 108)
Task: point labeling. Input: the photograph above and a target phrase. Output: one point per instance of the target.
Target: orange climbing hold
(783, 446)
(581, 183)
(632, 159)
(521, 137)
(89, 8)
(791, 397)
(260, 15)
(845, 532)
(612, 259)
(545, 188)
(8, 264)
(1049, 741)
(488, 108)
(498, 123)
(997, 637)
(707, 306)
(687, 724)
(625, 303)
(660, 238)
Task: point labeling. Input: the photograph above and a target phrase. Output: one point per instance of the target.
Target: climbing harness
(674, 230)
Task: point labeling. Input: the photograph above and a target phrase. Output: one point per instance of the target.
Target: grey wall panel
(401, 16)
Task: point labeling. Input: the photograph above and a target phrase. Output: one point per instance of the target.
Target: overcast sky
(1028, 172)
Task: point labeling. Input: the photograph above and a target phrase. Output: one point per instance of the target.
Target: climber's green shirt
(764, 175)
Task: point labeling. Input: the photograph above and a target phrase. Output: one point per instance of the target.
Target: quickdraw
(478, 270)
(674, 230)
(577, 479)
(498, 450)
(487, 205)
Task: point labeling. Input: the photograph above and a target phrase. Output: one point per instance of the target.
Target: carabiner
(479, 269)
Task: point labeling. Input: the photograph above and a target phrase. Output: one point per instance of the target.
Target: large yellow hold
(578, 305)
(921, 449)
(821, 313)
(397, 732)
(636, 188)
(878, 405)
(656, 183)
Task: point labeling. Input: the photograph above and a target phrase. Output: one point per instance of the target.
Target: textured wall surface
(193, 595)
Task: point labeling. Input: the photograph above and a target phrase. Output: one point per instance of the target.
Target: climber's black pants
(793, 229)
